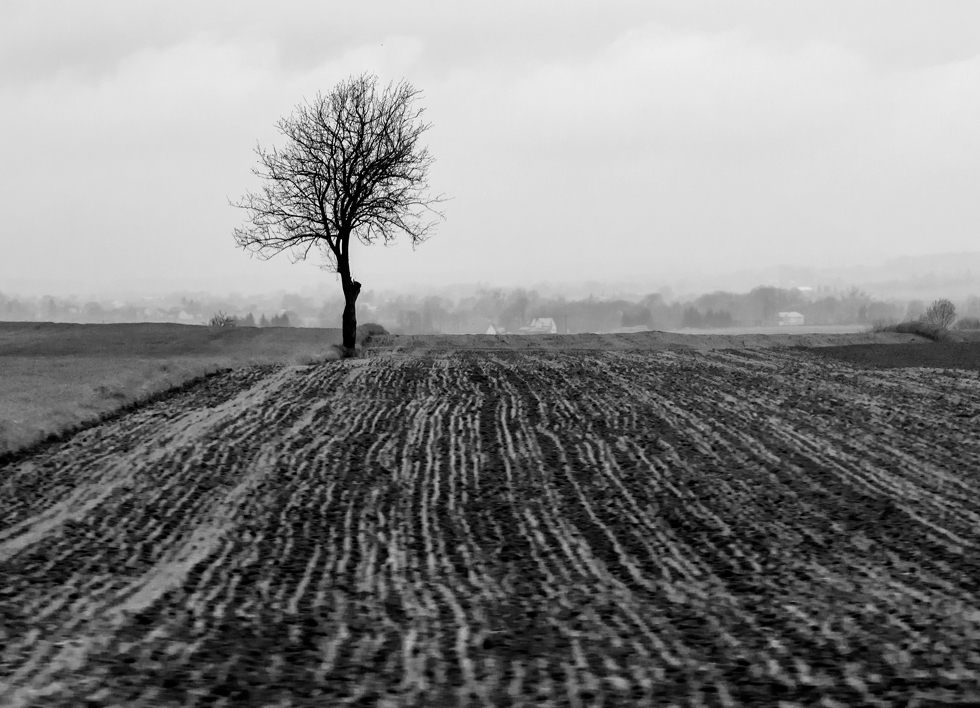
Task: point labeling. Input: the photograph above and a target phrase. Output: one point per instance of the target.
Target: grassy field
(56, 376)
(436, 526)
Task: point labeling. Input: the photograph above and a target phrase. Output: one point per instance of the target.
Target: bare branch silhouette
(352, 165)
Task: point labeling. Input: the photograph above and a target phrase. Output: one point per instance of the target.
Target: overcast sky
(603, 140)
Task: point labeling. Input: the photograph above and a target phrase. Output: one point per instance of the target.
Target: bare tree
(352, 166)
(941, 313)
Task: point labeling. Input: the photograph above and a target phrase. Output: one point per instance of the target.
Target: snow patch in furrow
(118, 474)
(96, 630)
(173, 568)
(913, 478)
(556, 575)
(80, 503)
(874, 479)
(190, 428)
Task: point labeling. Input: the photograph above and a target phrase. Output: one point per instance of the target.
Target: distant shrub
(941, 313)
(883, 325)
(968, 323)
(366, 332)
(308, 359)
(220, 319)
(921, 328)
(372, 328)
(112, 392)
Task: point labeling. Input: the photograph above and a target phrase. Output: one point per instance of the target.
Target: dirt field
(961, 355)
(56, 377)
(426, 526)
(636, 341)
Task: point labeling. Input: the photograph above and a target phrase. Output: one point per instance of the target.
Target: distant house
(545, 325)
(790, 318)
(541, 325)
(495, 330)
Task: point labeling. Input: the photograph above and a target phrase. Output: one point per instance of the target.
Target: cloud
(663, 88)
(675, 144)
(198, 82)
(935, 114)
(713, 148)
(658, 91)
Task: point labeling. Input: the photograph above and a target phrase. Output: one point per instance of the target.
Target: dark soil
(964, 356)
(502, 528)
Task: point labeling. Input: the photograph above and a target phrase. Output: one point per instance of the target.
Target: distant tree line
(284, 311)
(759, 307)
(513, 309)
(249, 321)
(507, 309)
(694, 318)
(220, 319)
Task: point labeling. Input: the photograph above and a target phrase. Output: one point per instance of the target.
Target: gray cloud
(610, 140)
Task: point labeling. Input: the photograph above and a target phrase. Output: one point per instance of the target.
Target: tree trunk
(352, 289)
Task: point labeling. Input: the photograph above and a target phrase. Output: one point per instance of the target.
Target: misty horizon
(483, 308)
(955, 275)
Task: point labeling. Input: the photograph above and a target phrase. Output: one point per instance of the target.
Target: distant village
(494, 311)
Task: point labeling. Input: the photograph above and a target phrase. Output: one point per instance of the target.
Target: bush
(968, 323)
(921, 328)
(220, 319)
(941, 313)
(366, 332)
(371, 328)
(883, 325)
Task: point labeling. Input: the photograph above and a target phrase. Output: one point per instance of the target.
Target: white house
(495, 330)
(541, 325)
(790, 318)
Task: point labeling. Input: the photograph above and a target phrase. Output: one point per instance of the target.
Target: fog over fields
(860, 296)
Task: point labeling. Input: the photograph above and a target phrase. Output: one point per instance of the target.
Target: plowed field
(493, 528)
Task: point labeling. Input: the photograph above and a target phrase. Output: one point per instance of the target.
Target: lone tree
(941, 313)
(352, 166)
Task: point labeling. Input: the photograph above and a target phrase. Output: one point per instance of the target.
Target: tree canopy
(352, 165)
